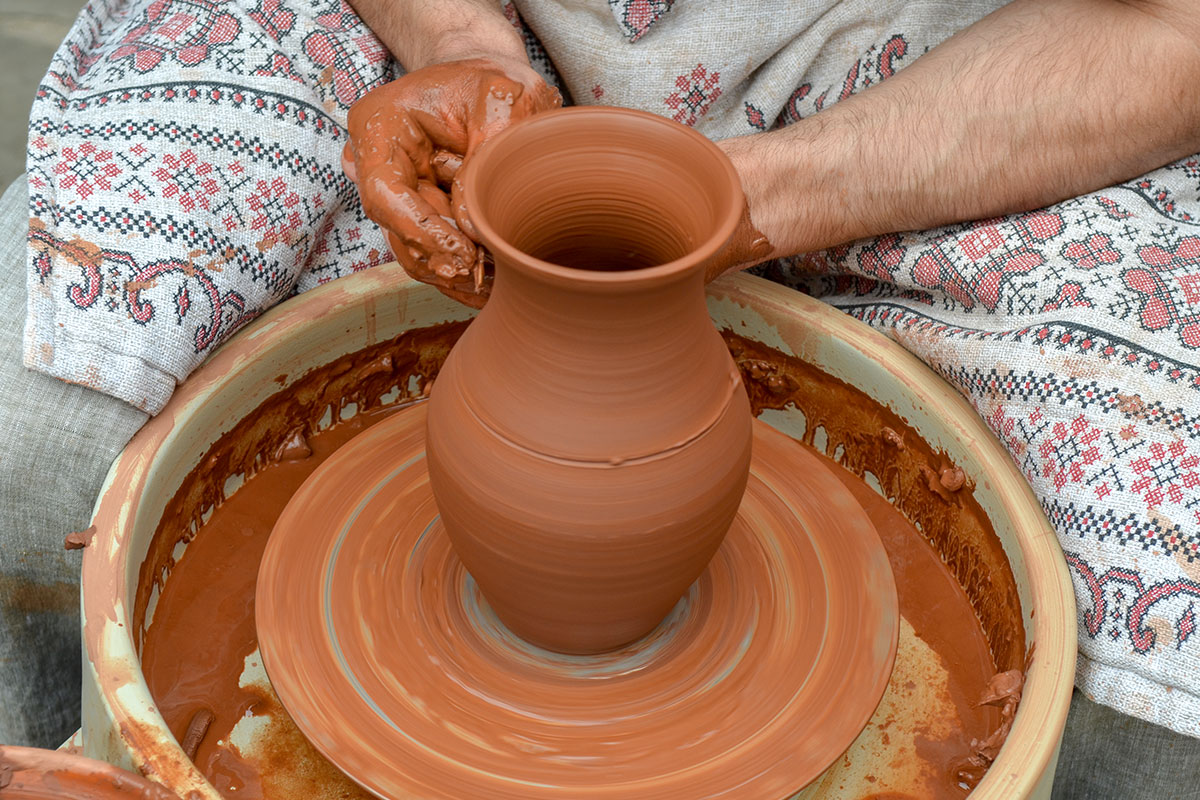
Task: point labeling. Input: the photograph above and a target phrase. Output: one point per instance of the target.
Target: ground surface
(30, 30)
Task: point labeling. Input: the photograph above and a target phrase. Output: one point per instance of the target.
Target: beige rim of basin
(120, 722)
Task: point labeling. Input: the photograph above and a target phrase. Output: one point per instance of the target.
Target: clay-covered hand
(408, 139)
(748, 246)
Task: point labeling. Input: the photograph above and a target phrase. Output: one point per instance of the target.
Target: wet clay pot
(589, 436)
(28, 773)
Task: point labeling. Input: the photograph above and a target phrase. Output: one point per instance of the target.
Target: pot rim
(584, 117)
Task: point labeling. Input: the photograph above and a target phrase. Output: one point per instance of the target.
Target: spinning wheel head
(388, 658)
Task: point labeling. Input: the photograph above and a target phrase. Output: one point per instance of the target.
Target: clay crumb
(933, 480)
(765, 374)
(1131, 404)
(952, 478)
(77, 540)
(892, 438)
(945, 479)
(6, 775)
(196, 731)
(296, 448)
(1003, 690)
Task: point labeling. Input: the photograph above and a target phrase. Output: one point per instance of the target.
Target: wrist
(422, 34)
(493, 39)
(801, 185)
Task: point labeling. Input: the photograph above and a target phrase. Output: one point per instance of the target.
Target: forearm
(1040, 101)
(424, 32)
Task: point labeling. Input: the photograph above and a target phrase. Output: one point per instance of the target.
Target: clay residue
(28, 773)
(406, 141)
(196, 730)
(931, 714)
(279, 428)
(928, 489)
(952, 521)
(892, 438)
(203, 638)
(77, 540)
(748, 246)
(295, 448)
(283, 762)
(1004, 692)
(27, 596)
(188, 671)
(944, 479)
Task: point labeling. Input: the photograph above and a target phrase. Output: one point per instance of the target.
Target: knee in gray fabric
(56, 444)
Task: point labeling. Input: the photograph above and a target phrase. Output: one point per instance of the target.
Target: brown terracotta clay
(407, 139)
(389, 660)
(28, 773)
(203, 631)
(589, 436)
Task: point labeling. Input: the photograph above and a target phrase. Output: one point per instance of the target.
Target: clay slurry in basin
(203, 635)
(589, 436)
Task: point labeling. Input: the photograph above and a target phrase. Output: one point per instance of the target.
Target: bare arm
(467, 79)
(1040, 101)
(424, 32)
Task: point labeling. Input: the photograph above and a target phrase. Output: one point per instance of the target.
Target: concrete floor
(30, 31)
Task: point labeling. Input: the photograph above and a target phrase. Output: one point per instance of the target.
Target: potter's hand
(408, 139)
(748, 246)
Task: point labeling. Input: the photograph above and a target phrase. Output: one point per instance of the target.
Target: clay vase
(589, 435)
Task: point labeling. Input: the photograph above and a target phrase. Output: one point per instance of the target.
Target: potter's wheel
(389, 660)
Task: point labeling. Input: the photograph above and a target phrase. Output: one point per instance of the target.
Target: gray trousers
(56, 443)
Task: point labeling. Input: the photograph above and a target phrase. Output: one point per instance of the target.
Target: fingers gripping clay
(407, 140)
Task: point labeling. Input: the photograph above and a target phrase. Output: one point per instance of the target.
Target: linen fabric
(1074, 331)
(183, 173)
(730, 69)
(184, 176)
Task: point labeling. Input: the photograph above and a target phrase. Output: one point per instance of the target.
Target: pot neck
(570, 371)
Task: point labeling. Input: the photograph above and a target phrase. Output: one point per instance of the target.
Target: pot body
(589, 435)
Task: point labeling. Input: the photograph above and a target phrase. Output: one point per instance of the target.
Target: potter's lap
(219, 190)
(56, 442)
(1108, 754)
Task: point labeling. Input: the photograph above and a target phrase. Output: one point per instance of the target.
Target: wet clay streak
(406, 141)
(23, 595)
